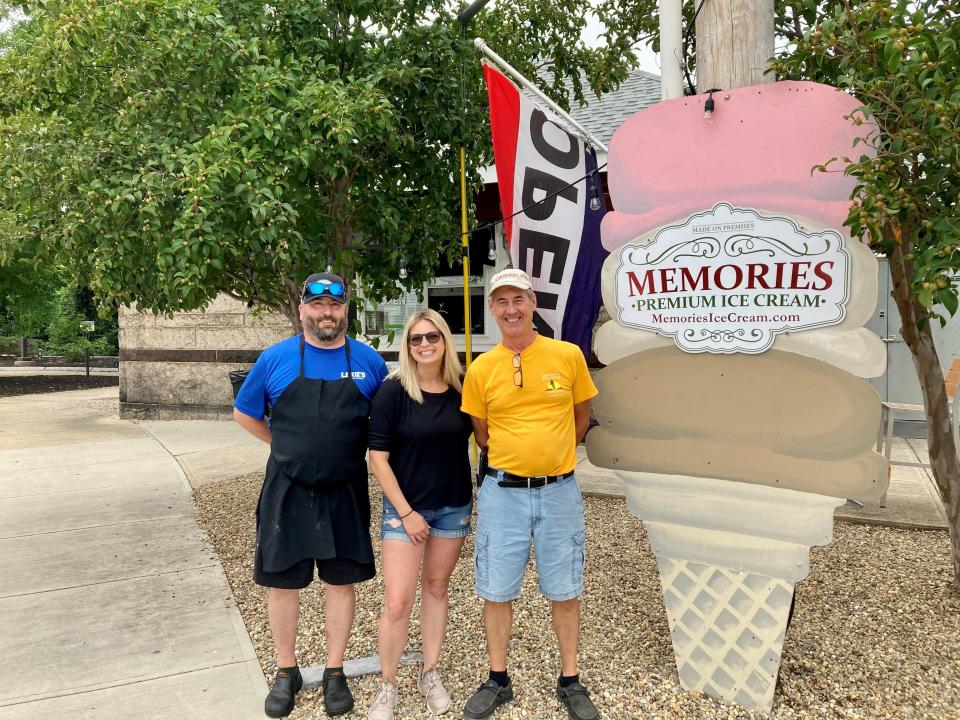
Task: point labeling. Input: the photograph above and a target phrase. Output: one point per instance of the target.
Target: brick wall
(177, 367)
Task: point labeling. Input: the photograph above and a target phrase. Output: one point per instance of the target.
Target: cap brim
(509, 284)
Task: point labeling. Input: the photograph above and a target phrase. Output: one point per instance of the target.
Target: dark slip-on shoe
(576, 700)
(486, 699)
(283, 694)
(337, 698)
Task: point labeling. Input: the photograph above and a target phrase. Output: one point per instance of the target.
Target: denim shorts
(509, 520)
(446, 522)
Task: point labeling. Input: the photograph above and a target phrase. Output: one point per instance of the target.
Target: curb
(358, 667)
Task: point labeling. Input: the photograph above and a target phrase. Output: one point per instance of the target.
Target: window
(448, 301)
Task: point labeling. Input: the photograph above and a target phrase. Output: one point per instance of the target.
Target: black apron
(315, 501)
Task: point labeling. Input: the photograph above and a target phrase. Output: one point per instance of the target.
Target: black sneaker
(337, 698)
(577, 701)
(283, 694)
(487, 698)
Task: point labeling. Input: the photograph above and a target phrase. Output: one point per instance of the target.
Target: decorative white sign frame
(729, 279)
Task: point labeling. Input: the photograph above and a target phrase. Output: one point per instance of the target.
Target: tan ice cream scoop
(735, 417)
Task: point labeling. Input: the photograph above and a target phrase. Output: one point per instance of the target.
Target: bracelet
(404, 517)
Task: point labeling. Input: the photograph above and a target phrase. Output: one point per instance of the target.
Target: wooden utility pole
(734, 43)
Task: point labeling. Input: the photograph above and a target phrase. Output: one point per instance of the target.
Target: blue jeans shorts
(446, 522)
(509, 520)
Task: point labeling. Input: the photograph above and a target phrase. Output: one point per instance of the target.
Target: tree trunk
(290, 305)
(943, 451)
(343, 227)
(342, 241)
(734, 44)
(953, 523)
(345, 243)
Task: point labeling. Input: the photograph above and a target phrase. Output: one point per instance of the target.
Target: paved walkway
(913, 501)
(110, 596)
(112, 603)
(55, 370)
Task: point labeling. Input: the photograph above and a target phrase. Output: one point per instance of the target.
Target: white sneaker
(431, 687)
(383, 703)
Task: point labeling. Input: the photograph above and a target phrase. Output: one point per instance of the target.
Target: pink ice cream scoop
(757, 151)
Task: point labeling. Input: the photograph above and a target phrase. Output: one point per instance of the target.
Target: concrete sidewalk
(112, 603)
(55, 370)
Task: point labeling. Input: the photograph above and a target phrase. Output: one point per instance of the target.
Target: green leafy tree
(901, 60)
(68, 333)
(172, 149)
(36, 303)
(26, 298)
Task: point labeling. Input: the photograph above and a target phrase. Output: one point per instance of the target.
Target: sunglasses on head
(323, 287)
(432, 337)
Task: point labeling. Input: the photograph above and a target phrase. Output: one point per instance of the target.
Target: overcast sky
(649, 60)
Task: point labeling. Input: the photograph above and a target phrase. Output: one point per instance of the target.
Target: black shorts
(335, 571)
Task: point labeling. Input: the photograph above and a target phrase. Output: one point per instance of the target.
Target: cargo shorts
(510, 520)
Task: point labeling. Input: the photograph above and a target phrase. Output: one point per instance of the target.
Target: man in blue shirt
(314, 508)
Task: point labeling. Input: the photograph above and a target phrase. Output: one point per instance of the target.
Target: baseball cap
(510, 277)
(324, 284)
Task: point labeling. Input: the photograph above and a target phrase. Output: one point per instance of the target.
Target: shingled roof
(603, 115)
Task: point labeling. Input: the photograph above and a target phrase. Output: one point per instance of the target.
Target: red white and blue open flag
(555, 237)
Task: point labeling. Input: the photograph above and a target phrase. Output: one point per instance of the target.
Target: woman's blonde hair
(407, 372)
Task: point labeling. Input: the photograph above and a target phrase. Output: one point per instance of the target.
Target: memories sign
(729, 279)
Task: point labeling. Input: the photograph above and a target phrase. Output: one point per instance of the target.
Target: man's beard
(321, 334)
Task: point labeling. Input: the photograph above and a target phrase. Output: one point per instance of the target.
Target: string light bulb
(403, 267)
(595, 203)
(492, 252)
(709, 106)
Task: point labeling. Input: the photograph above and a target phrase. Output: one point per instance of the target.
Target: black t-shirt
(427, 445)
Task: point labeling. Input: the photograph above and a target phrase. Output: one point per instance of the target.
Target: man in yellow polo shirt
(529, 399)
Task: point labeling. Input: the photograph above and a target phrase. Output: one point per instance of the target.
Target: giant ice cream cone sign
(734, 404)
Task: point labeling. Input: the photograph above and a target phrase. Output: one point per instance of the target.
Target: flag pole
(465, 246)
(463, 19)
(509, 69)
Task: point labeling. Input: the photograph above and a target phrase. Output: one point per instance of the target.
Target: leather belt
(525, 481)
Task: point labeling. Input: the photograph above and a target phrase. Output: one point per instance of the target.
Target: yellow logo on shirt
(553, 385)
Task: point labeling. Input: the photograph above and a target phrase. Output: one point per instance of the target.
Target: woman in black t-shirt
(418, 452)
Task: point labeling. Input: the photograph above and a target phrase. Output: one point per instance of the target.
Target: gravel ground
(875, 634)
(30, 384)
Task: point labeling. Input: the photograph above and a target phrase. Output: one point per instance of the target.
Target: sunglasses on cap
(432, 337)
(323, 287)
